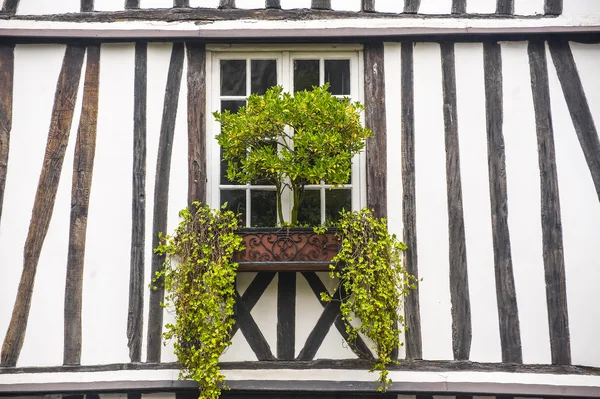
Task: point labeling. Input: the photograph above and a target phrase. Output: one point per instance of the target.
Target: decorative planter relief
(286, 249)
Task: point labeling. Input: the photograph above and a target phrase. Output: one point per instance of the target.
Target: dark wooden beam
(459, 6)
(552, 235)
(132, 4)
(251, 332)
(83, 169)
(505, 7)
(357, 345)
(181, 3)
(7, 70)
(459, 281)
(508, 314)
(135, 313)
(409, 211)
(553, 7)
(255, 290)
(161, 197)
(375, 119)
(226, 4)
(286, 316)
(10, 6)
(579, 108)
(411, 6)
(321, 4)
(196, 117)
(86, 5)
(367, 5)
(273, 4)
(43, 206)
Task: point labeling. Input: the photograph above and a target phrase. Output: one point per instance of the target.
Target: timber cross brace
(286, 318)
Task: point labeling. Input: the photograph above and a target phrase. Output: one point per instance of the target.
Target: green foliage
(199, 280)
(317, 135)
(370, 269)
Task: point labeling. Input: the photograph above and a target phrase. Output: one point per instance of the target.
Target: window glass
(233, 77)
(310, 209)
(337, 73)
(264, 75)
(264, 208)
(306, 74)
(336, 201)
(236, 202)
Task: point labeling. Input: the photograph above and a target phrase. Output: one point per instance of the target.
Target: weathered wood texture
(7, 69)
(10, 6)
(508, 315)
(579, 108)
(459, 281)
(375, 119)
(505, 7)
(135, 313)
(553, 7)
(132, 4)
(161, 196)
(43, 206)
(181, 3)
(272, 4)
(321, 4)
(253, 293)
(87, 5)
(226, 4)
(83, 168)
(459, 6)
(367, 5)
(286, 316)
(409, 211)
(196, 106)
(411, 6)
(251, 332)
(552, 236)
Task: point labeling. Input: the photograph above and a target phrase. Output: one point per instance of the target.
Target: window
(236, 75)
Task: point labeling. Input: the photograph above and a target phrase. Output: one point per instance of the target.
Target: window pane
(232, 105)
(233, 77)
(337, 73)
(264, 208)
(236, 202)
(306, 74)
(310, 209)
(264, 75)
(335, 201)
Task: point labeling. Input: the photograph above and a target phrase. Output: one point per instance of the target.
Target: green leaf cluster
(199, 279)
(368, 265)
(292, 140)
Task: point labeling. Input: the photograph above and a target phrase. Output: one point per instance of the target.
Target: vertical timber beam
(132, 4)
(459, 281)
(83, 169)
(409, 216)
(367, 5)
(135, 313)
(505, 7)
(552, 235)
(321, 4)
(375, 119)
(579, 108)
(272, 4)
(10, 6)
(226, 4)
(87, 5)
(161, 197)
(553, 7)
(43, 206)
(286, 315)
(196, 83)
(411, 6)
(508, 314)
(459, 6)
(7, 70)
(181, 3)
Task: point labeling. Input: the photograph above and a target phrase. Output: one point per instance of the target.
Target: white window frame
(285, 55)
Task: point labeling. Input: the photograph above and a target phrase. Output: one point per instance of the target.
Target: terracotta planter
(286, 249)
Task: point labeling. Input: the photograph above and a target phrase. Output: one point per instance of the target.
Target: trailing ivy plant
(368, 266)
(199, 279)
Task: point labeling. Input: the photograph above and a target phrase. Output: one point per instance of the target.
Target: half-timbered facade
(485, 160)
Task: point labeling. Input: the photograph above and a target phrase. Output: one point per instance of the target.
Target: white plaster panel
(161, 395)
(290, 4)
(431, 204)
(156, 3)
(581, 8)
(108, 245)
(587, 59)
(389, 6)
(120, 395)
(334, 346)
(435, 7)
(204, 3)
(178, 187)
(159, 55)
(308, 310)
(265, 314)
(345, 5)
(580, 212)
(481, 6)
(34, 89)
(470, 98)
(40, 7)
(250, 4)
(529, 7)
(524, 209)
(109, 5)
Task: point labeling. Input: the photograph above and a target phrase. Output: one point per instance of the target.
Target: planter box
(286, 249)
